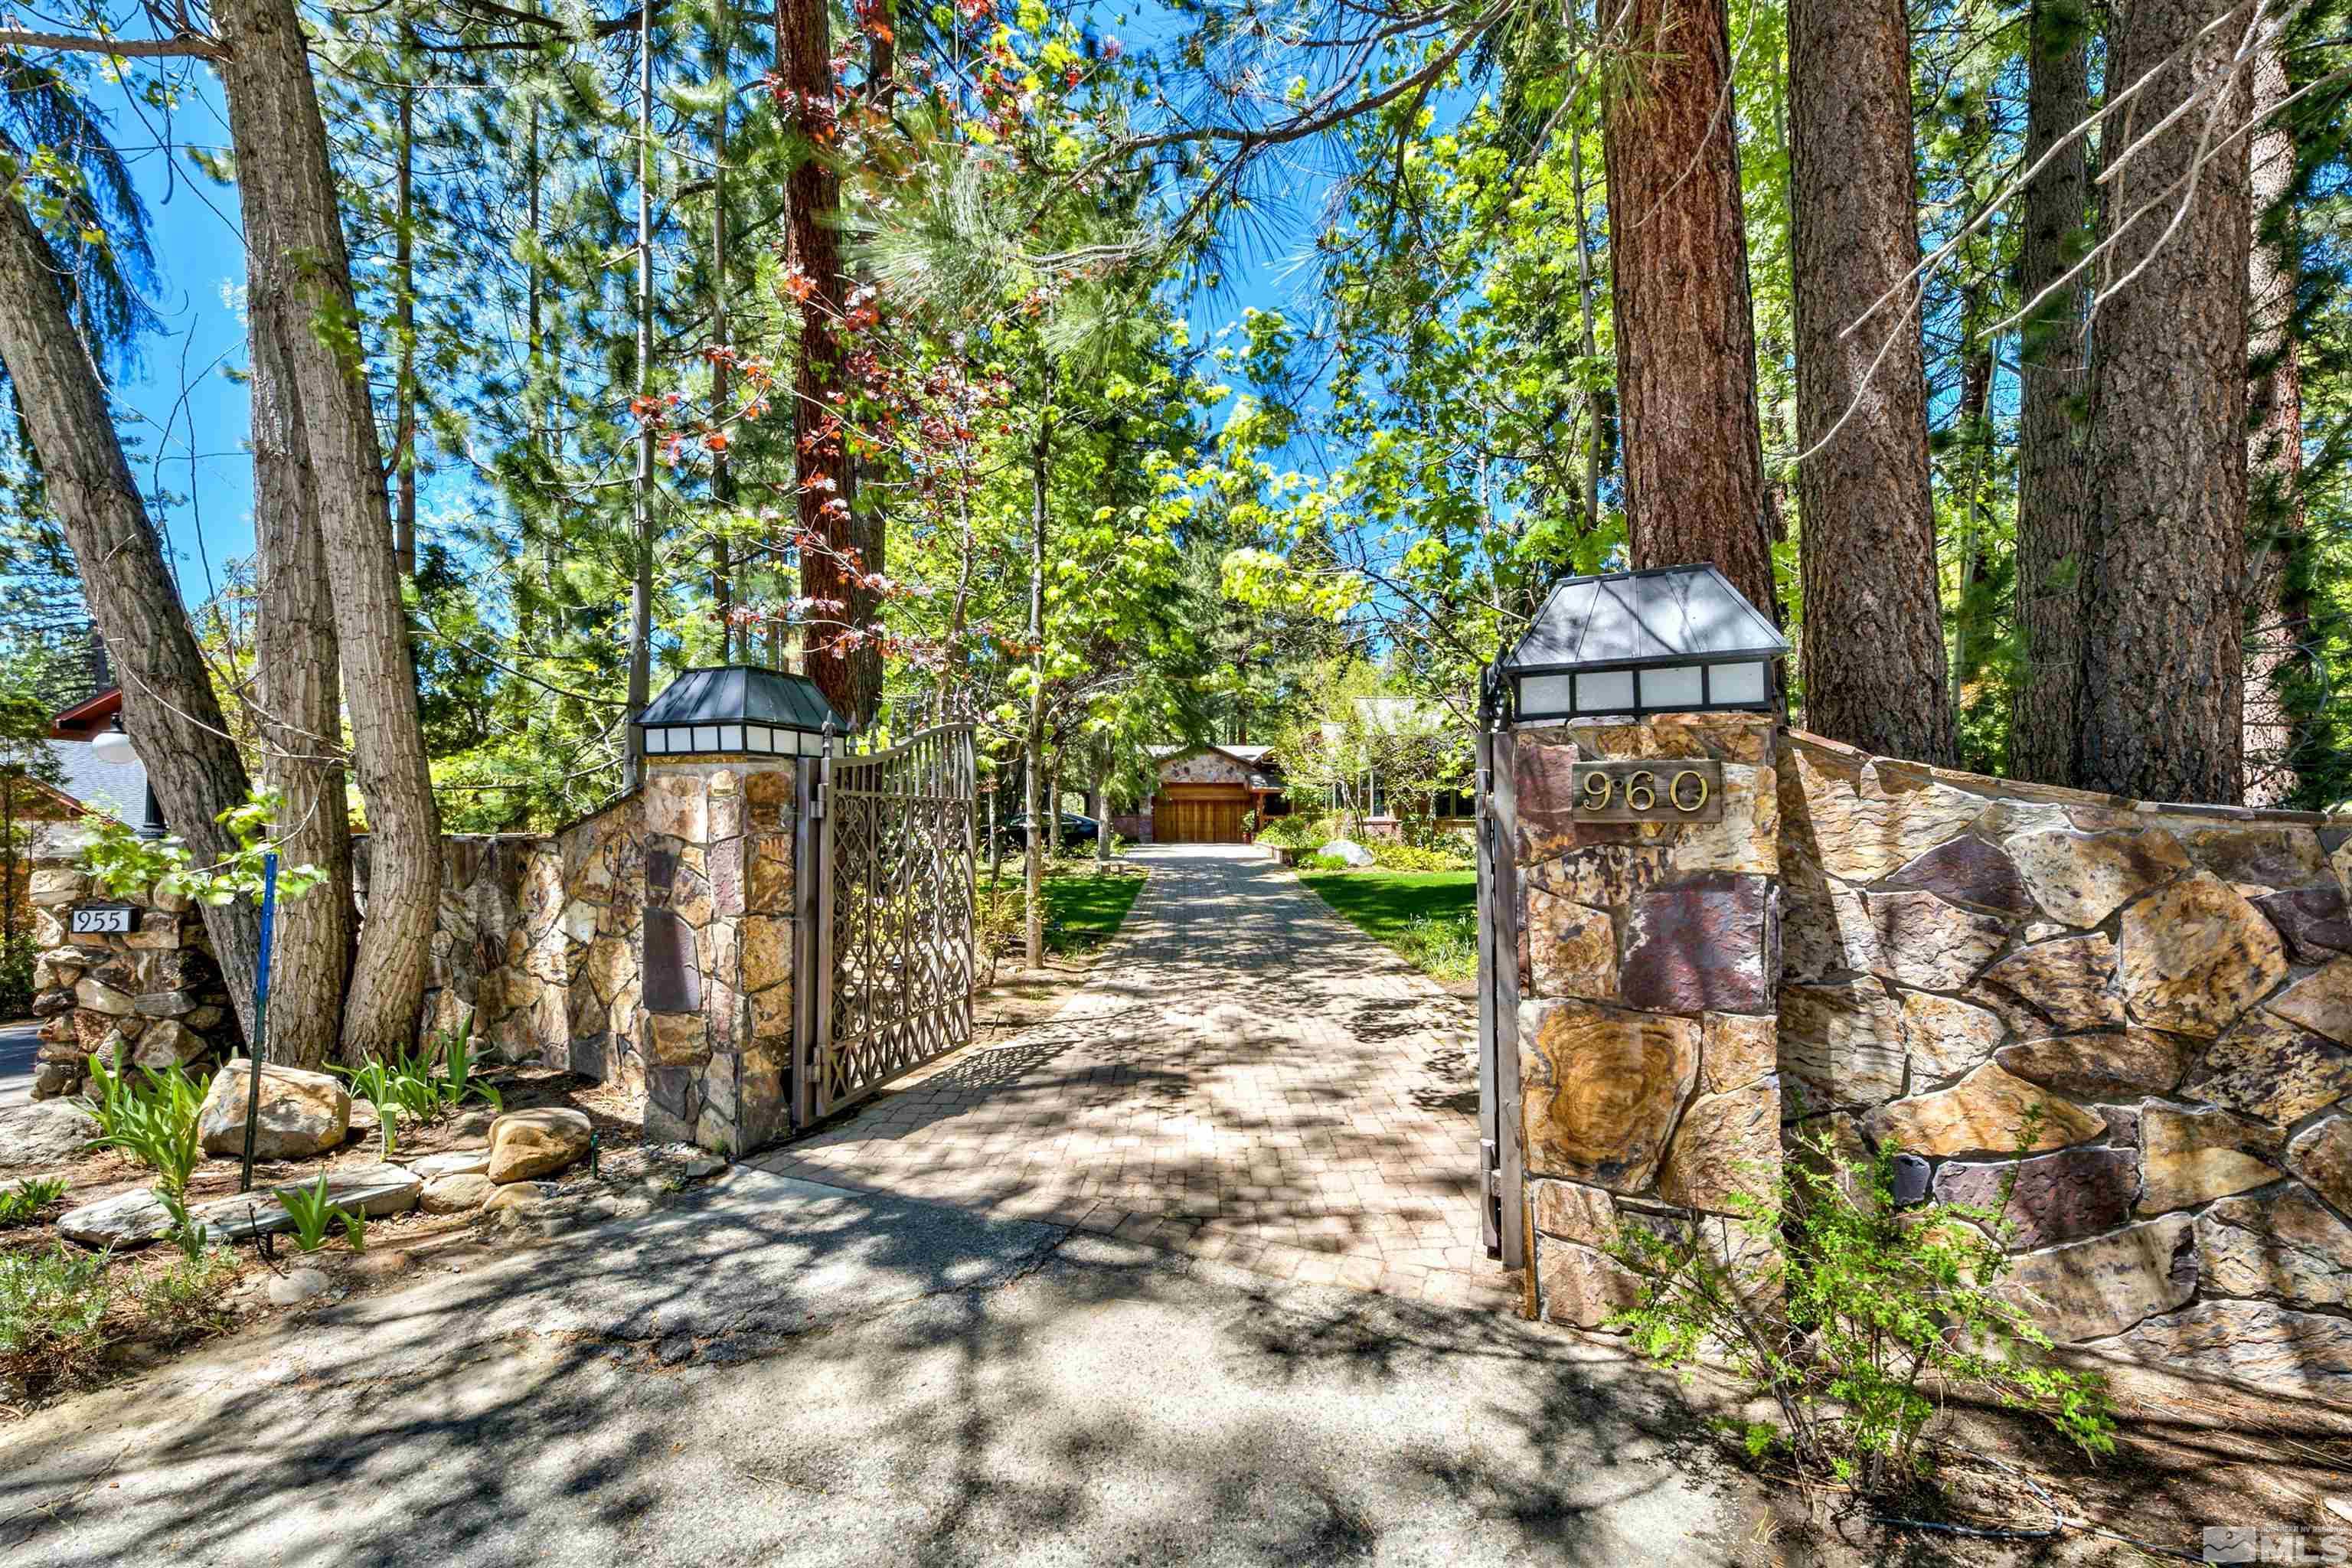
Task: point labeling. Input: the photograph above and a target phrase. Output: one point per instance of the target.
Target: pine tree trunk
(2163, 590)
(2278, 607)
(2053, 490)
(301, 724)
(168, 708)
(403, 263)
(639, 690)
(299, 265)
(1678, 278)
(1874, 632)
(722, 472)
(1033, 863)
(846, 665)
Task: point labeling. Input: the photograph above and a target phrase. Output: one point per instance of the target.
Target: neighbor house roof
(119, 788)
(1238, 753)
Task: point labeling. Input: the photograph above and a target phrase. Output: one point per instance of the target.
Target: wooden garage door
(1202, 814)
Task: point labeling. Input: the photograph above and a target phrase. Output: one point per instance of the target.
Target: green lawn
(1429, 917)
(1083, 911)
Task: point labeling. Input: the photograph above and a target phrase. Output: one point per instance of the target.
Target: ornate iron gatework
(894, 962)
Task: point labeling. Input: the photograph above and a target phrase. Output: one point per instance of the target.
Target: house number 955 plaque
(1672, 789)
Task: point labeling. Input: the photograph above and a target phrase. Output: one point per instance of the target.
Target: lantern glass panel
(1606, 691)
(705, 737)
(1672, 686)
(656, 741)
(1736, 682)
(731, 737)
(1544, 694)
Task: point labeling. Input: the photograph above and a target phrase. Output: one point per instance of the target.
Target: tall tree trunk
(1678, 278)
(722, 471)
(1596, 439)
(168, 708)
(2278, 605)
(2053, 497)
(641, 534)
(404, 266)
(846, 665)
(297, 264)
(302, 725)
(1033, 860)
(1874, 631)
(2160, 706)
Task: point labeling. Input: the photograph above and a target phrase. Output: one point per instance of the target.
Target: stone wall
(151, 996)
(2168, 986)
(718, 930)
(1646, 1032)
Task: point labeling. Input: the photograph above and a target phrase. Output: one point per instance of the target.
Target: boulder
(2287, 1245)
(2321, 1156)
(2080, 879)
(1984, 1114)
(2103, 1064)
(461, 1192)
(302, 1113)
(374, 1191)
(44, 1132)
(296, 1286)
(124, 1221)
(529, 1143)
(1349, 850)
(2089, 1289)
(464, 1163)
(2189, 1156)
(2196, 955)
(2052, 1198)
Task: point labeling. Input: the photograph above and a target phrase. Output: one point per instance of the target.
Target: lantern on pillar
(1672, 640)
(738, 710)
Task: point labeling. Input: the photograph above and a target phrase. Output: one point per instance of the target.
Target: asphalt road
(17, 1043)
(780, 1372)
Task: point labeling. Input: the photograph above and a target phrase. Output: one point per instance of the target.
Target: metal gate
(1501, 1150)
(892, 891)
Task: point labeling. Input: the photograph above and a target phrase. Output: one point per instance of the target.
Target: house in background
(1208, 794)
(87, 783)
(1378, 808)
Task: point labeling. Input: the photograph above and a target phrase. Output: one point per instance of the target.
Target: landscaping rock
(1349, 850)
(2196, 955)
(296, 1286)
(1727, 1144)
(462, 1162)
(2072, 981)
(43, 1133)
(124, 1221)
(528, 1143)
(461, 1192)
(2283, 1245)
(2321, 1156)
(2089, 1289)
(2103, 1064)
(2305, 1354)
(2054, 1198)
(2189, 1156)
(1983, 1114)
(1611, 1085)
(375, 1191)
(518, 1197)
(1923, 941)
(2080, 879)
(2273, 1069)
(302, 1113)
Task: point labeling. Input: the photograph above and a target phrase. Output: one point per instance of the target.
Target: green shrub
(53, 1307)
(1443, 945)
(1296, 831)
(29, 1198)
(1853, 1317)
(190, 1298)
(405, 1086)
(1322, 863)
(154, 1122)
(1390, 856)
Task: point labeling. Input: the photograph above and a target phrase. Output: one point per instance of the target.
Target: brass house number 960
(1665, 791)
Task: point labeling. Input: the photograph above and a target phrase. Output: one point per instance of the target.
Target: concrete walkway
(1244, 1077)
(772, 1372)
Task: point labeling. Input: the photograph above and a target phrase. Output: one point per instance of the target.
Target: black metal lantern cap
(738, 708)
(1671, 639)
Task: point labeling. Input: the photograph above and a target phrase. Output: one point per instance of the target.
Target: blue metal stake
(260, 1047)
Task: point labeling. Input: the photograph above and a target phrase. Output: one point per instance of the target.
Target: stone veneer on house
(2171, 987)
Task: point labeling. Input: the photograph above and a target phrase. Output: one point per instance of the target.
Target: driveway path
(1244, 1077)
(18, 1042)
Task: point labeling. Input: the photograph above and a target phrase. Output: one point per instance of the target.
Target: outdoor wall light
(738, 709)
(1672, 640)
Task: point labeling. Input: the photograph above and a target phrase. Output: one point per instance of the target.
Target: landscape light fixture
(738, 709)
(1672, 640)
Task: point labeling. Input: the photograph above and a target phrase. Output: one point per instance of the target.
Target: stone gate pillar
(718, 938)
(1647, 1032)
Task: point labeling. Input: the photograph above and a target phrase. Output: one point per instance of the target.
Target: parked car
(1078, 832)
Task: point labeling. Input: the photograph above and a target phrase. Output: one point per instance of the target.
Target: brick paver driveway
(1244, 1077)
